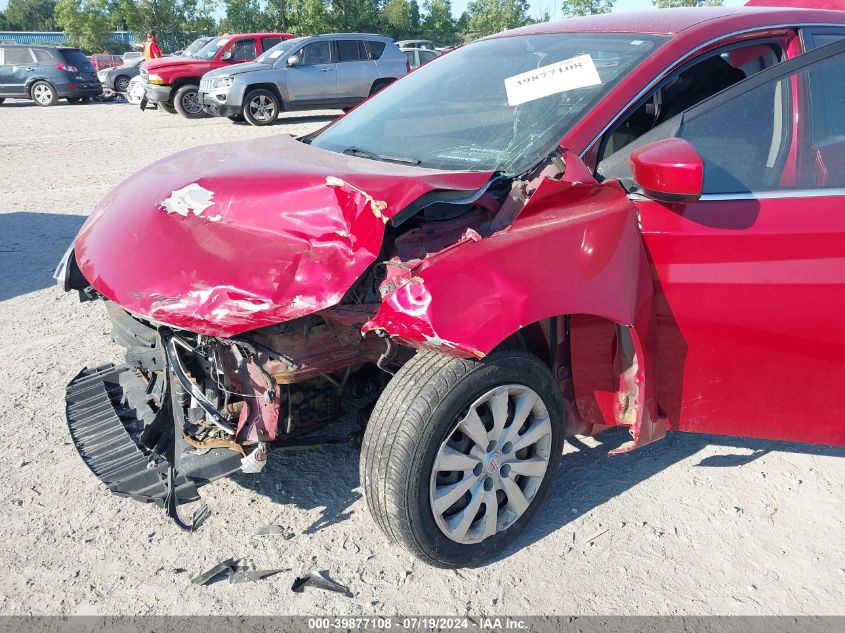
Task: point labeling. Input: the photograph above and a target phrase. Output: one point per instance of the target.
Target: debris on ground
(250, 575)
(226, 567)
(596, 535)
(320, 580)
(274, 530)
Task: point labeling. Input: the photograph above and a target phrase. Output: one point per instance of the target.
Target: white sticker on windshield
(569, 74)
(276, 54)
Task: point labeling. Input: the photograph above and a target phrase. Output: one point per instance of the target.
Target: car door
(241, 50)
(15, 67)
(314, 78)
(356, 73)
(750, 279)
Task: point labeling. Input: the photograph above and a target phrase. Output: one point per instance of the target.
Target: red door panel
(750, 298)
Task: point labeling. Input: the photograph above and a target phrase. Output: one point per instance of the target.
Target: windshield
(210, 50)
(272, 54)
(195, 46)
(496, 105)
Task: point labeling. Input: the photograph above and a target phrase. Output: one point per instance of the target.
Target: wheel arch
(265, 86)
(573, 254)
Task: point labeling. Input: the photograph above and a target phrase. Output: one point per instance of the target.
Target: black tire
(379, 85)
(2, 99)
(187, 103)
(121, 84)
(166, 107)
(43, 93)
(415, 414)
(261, 107)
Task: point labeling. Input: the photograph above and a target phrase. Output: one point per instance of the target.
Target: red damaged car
(626, 220)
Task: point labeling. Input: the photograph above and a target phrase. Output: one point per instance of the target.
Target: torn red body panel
(238, 236)
(575, 248)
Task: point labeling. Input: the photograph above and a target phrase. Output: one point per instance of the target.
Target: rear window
(43, 56)
(375, 48)
(14, 56)
(269, 42)
(75, 57)
(347, 51)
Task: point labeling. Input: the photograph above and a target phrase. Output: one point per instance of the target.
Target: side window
(316, 53)
(244, 50)
(411, 55)
(347, 51)
(824, 158)
(426, 56)
(745, 139)
(816, 38)
(376, 48)
(689, 86)
(42, 56)
(16, 56)
(269, 42)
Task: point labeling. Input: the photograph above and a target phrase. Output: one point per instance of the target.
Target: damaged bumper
(122, 426)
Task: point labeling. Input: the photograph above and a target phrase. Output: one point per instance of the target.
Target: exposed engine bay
(197, 406)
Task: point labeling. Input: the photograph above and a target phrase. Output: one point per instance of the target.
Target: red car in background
(619, 220)
(173, 82)
(101, 61)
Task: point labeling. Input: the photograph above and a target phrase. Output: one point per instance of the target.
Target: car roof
(373, 35)
(674, 21)
(290, 35)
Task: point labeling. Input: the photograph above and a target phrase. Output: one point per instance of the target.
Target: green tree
(671, 4)
(31, 15)
(399, 20)
(438, 24)
(87, 23)
(242, 16)
(4, 23)
(574, 8)
(486, 17)
(309, 17)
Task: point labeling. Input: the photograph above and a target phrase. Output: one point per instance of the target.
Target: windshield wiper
(355, 151)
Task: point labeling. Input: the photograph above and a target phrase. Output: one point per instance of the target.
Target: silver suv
(338, 70)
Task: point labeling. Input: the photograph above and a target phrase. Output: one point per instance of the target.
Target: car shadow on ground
(31, 245)
(325, 478)
(328, 477)
(591, 477)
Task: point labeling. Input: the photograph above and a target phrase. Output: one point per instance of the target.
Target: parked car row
(248, 76)
(256, 76)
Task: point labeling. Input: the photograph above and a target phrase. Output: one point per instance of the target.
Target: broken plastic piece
(244, 575)
(320, 580)
(227, 566)
(255, 461)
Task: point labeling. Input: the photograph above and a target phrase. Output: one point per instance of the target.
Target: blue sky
(538, 7)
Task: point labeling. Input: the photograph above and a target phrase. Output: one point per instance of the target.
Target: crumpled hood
(226, 238)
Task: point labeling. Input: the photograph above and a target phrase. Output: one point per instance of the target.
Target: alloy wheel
(262, 108)
(491, 465)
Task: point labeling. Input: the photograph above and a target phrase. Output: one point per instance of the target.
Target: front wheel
(166, 107)
(261, 107)
(187, 103)
(459, 454)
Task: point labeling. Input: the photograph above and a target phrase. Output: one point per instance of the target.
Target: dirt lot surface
(691, 525)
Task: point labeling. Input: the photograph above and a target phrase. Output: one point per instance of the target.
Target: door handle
(326, 70)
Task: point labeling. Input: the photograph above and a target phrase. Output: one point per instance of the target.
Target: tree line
(89, 23)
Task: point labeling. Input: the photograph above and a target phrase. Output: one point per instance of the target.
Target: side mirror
(669, 170)
(226, 56)
(293, 60)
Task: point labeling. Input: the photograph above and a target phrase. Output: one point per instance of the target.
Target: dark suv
(46, 73)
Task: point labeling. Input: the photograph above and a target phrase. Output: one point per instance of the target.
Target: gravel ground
(692, 525)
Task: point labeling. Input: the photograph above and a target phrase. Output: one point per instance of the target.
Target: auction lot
(691, 525)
